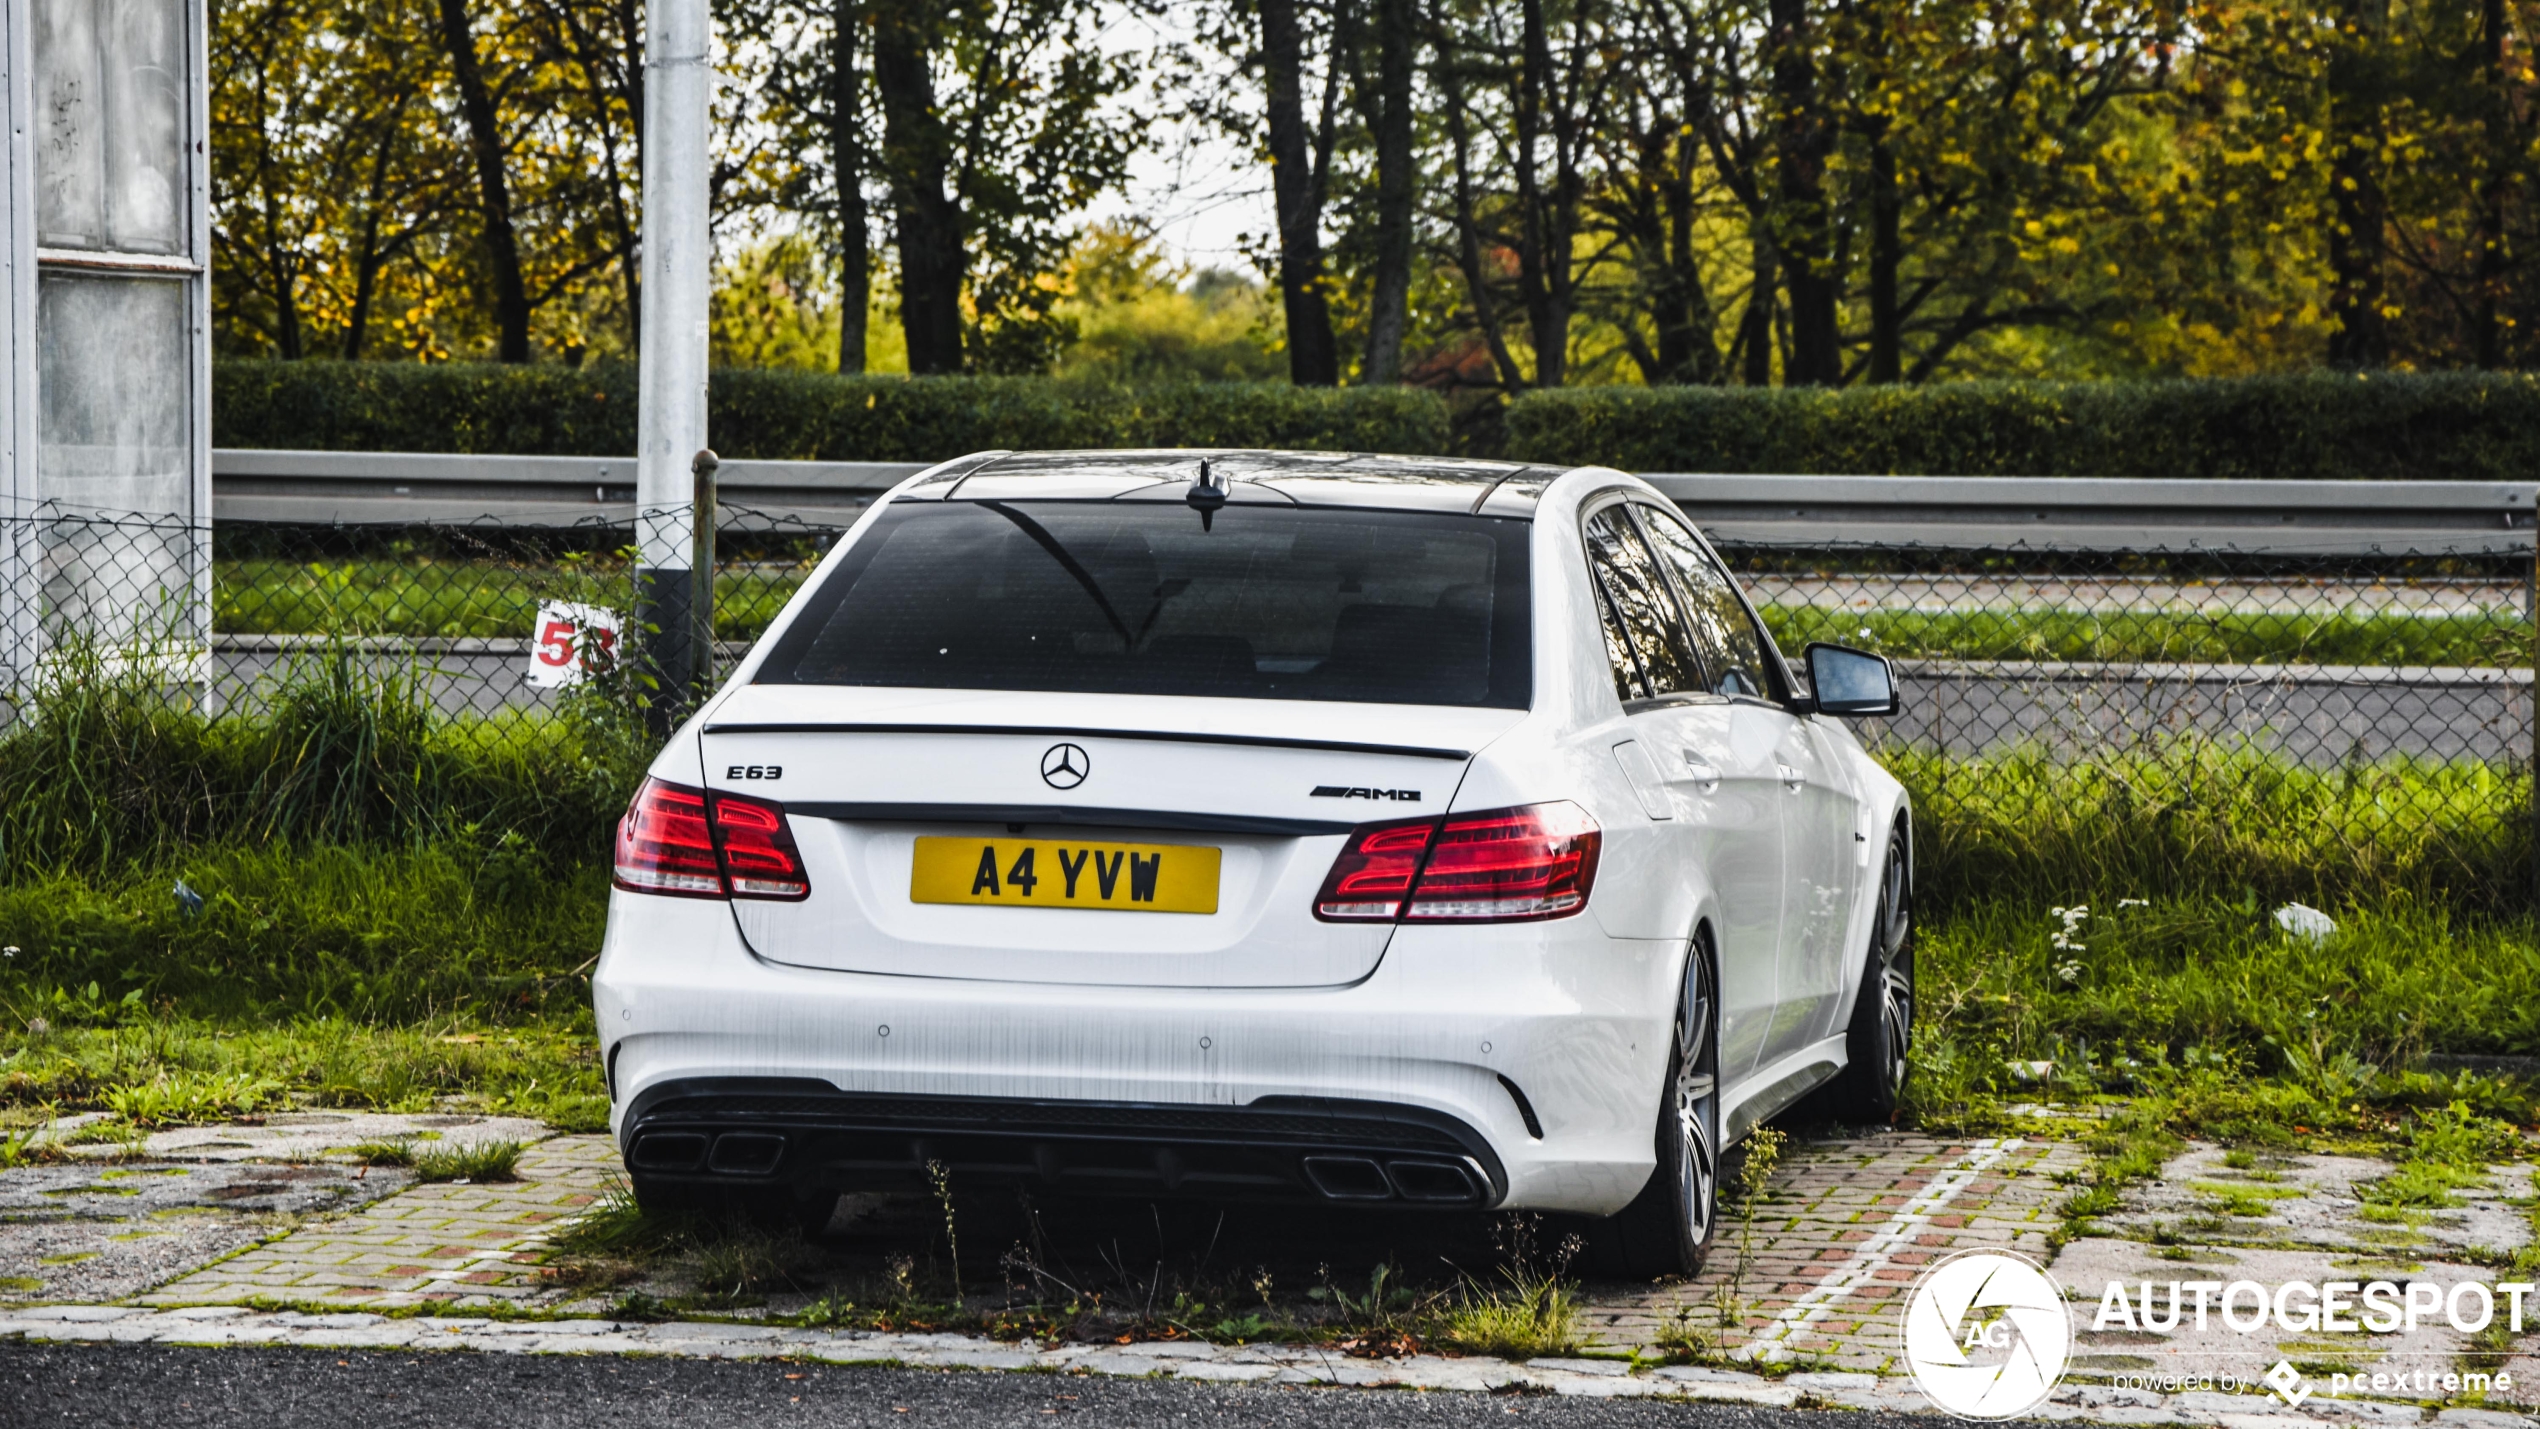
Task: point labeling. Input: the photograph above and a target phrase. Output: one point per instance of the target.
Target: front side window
(1730, 641)
(1109, 597)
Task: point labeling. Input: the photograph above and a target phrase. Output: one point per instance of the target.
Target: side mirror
(1851, 682)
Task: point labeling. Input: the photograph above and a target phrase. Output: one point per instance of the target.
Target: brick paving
(1842, 1229)
(448, 1242)
(1815, 1281)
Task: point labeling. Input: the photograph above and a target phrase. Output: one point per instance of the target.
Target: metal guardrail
(363, 488)
(2106, 514)
(2112, 514)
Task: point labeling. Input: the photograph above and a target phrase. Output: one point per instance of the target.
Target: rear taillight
(1373, 875)
(690, 843)
(1502, 866)
(664, 844)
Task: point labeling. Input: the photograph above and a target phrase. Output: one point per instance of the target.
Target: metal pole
(671, 417)
(701, 563)
(21, 570)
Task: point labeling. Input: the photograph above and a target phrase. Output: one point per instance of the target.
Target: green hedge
(2389, 426)
(2459, 426)
(533, 410)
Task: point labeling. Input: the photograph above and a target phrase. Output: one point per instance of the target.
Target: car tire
(1879, 1044)
(1668, 1228)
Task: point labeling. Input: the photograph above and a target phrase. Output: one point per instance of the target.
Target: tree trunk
(1313, 356)
(1389, 308)
(2494, 184)
(286, 300)
(365, 287)
(485, 145)
(2362, 210)
(1543, 252)
(1470, 258)
(1887, 342)
(1687, 350)
(846, 152)
(630, 29)
(1755, 328)
(1803, 229)
(367, 264)
(916, 156)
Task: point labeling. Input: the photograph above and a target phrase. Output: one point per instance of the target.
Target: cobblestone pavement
(1800, 1305)
(2278, 1218)
(441, 1243)
(89, 1232)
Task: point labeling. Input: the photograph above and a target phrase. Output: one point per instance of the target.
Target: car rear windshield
(1260, 602)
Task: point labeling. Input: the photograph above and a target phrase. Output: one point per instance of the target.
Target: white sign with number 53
(573, 642)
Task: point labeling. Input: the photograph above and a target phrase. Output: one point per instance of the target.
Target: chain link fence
(2372, 702)
(2300, 722)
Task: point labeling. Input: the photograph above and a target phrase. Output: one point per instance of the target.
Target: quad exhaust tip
(1361, 1178)
(734, 1153)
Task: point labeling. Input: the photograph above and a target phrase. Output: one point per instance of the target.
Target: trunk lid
(1272, 786)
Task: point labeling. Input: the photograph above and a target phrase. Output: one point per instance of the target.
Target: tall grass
(464, 926)
(546, 1071)
(2189, 815)
(106, 767)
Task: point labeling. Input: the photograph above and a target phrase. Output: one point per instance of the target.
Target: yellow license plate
(1065, 873)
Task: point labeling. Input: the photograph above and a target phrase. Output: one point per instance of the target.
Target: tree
(1397, 184)
(1300, 160)
(1001, 120)
(488, 150)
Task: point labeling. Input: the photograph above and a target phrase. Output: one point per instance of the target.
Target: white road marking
(1873, 1255)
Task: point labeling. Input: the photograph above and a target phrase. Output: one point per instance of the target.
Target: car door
(1711, 770)
(1817, 803)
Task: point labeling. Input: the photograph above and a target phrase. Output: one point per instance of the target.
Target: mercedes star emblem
(1065, 766)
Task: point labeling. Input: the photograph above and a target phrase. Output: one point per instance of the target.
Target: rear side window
(1727, 636)
(1264, 602)
(1637, 600)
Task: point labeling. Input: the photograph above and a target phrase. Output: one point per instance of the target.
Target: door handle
(1793, 777)
(1702, 772)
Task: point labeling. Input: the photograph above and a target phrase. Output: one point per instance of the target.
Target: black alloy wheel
(1668, 1228)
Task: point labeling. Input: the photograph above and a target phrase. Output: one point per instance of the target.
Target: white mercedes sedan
(1358, 830)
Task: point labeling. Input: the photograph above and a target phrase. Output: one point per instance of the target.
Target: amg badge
(1335, 791)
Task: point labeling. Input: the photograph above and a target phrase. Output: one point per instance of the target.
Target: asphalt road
(129, 1385)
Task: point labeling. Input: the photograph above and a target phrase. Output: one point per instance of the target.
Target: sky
(1200, 188)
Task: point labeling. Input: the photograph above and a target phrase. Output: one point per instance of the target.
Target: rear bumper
(1205, 1092)
(739, 1132)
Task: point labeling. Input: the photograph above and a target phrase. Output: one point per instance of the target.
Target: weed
(180, 1097)
(1378, 1320)
(1530, 1309)
(939, 1178)
(739, 1264)
(26, 1146)
(397, 1152)
(492, 1160)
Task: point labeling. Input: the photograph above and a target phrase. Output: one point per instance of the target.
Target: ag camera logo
(1987, 1334)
